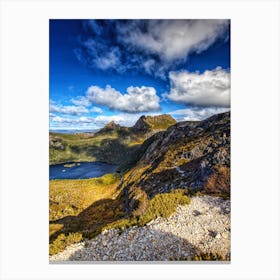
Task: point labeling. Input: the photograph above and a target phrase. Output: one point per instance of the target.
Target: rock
(218, 236)
(196, 213)
(179, 237)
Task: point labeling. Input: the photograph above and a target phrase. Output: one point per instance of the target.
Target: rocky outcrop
(149, 123)
(189, 155)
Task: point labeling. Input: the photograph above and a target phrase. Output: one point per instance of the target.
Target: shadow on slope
(91, 220)
(145, 245)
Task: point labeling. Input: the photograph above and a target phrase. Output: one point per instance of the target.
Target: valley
(163, 167)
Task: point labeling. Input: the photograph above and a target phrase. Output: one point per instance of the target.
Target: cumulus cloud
(211, 88)
(172, 39)
(67, 110)
(197, 113)
(81, 103)
(151, 46)
(136, 99)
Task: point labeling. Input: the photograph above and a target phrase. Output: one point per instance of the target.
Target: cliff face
(190, 155)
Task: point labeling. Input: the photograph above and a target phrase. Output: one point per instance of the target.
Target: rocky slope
(190, 155)
(199, 231)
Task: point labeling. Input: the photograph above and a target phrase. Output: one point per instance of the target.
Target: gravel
(203, 226)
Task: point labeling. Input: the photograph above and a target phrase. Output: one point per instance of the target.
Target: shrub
(62, 241)
(208, 257)
(121, 224)
(163, 205)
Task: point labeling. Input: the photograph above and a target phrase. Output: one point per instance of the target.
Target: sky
(119, 70)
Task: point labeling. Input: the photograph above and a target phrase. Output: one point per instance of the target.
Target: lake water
(82, 170)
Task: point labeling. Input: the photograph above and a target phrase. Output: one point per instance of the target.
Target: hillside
(112, 144)
(168, 170)
(189, 155)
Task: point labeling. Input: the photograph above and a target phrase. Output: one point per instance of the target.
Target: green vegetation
(163, 205)
(112, 144)
(63, 241)
(110, 148)
(208, 257)
(83, 208)
(70, 197)
(201, 257)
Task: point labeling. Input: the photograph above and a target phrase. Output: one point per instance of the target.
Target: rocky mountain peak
(109, 127)
(112, 125)
(148, 123)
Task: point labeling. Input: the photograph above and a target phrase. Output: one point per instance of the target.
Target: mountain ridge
(189, 155)
(112, 144)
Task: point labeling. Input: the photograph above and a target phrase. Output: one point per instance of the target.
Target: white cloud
(81, 101)
(95, 109)
(197, 113)
(111, 59)
(67, 110)
(137, 99)
(212, 88)
(80, 120)
(124, 119)
(172, 39)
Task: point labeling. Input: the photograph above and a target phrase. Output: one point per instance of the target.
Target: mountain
(153, 123)
(172, 167)
(112, 144)
(188, 155)
(108, 128)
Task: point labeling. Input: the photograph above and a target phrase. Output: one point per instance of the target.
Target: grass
(70, 197)
(110, 147)
(80, 208)
(62, 241)
(84, 208)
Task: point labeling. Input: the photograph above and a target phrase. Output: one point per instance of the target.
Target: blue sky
(103, 70)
